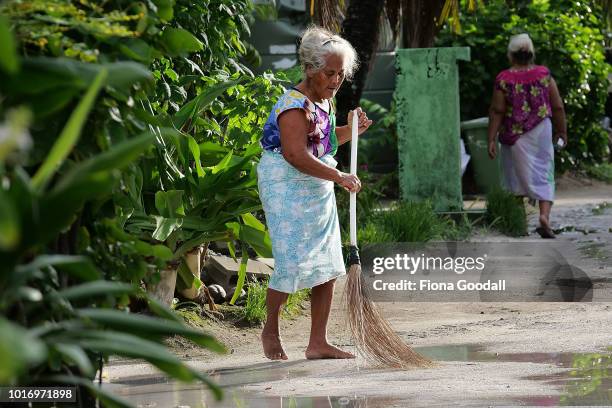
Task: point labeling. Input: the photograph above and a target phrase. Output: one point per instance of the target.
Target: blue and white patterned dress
(300, 209)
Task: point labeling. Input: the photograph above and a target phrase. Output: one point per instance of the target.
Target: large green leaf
(48, 103)
(160, 252)
(185, 278)
(128, 345)
(69, 135)
(77, 266)
(75, 354)
(18, 350)
(144, 324)
(170, 203)
(195, 151)
(166, 226)
(250, 220)
(178, 41)
(165, 9)
(116, 158)
(224, 163)
(42, 74)
(257, 239)
(10, 229)
(138, 50)
(108, 399)
(199, 240)
(96, 288)
(59, 207)
(9, 62)
(241, 277)
(192, 109)
(160, 309)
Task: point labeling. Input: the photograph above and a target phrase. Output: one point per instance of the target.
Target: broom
(374, 337)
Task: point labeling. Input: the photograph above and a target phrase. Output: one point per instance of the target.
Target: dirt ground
(490, 354)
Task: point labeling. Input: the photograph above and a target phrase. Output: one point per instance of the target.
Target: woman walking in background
(525, 98)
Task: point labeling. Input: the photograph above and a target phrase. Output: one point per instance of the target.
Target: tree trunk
(360, 27)
(419, 22)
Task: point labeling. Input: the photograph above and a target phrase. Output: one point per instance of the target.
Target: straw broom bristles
(374, 337)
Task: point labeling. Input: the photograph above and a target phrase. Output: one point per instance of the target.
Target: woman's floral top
(527, 101)
(322, 137)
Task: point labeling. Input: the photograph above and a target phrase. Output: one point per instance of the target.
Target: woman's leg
(270, 336)
(318, 346)
(545, 207)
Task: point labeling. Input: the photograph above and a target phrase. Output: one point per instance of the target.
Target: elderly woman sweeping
(296, 177)
(524, 100)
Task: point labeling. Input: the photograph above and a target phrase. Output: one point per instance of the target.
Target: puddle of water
(587, 381)
(183, 396)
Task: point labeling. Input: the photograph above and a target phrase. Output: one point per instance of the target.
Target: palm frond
(328, 13)
(451, 9)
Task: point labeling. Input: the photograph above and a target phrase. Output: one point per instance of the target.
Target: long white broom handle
(353, 196)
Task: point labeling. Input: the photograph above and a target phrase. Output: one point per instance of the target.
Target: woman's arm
(496, 116)
(293, 126)
(558, 113)
(344, 134)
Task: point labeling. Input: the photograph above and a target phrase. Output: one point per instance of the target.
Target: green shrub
(166, 163)
(372, 233)
(413, 222)
(568, 39)
(506, 213)
(410, 222)
(601, 172)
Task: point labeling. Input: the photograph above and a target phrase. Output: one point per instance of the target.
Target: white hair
(520, 42)
(317, 43)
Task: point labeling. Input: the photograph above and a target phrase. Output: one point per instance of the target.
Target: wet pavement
(577, 379)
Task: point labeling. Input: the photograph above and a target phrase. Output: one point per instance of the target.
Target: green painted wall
(427, 102)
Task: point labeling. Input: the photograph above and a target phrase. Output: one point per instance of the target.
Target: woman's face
(326, 82)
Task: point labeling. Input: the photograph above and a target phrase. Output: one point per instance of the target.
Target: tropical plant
(60, 318)
(215, 119)
(165, 163)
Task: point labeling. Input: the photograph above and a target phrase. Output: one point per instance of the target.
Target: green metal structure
(427, 102)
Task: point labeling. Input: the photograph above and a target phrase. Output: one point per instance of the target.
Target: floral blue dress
(300, 210)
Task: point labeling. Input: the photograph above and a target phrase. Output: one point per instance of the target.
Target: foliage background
(568, 37)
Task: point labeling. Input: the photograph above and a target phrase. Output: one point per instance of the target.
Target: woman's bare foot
(273, 348)
(326, 350)
(544, 229)
(544, 221)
